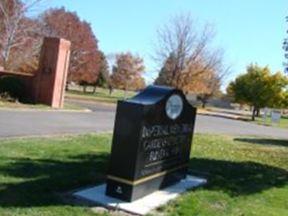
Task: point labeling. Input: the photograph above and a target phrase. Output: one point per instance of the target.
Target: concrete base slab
(144, 205)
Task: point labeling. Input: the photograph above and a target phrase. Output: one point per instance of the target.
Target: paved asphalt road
(34, 123)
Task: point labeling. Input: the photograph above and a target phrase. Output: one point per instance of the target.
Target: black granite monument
(151, 143)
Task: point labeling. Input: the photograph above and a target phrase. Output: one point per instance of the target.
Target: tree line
(187, 58)
(259, 87)
(185, 53)
(21, 37)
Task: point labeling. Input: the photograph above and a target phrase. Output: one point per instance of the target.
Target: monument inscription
(151, 143)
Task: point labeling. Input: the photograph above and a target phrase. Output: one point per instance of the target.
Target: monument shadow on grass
(273, 142)
(44, 180)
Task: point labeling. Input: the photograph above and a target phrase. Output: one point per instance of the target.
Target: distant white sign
(275, 116)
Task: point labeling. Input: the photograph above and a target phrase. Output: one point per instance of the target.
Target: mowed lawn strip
(101, 95)
(29, 106)
(247, 176)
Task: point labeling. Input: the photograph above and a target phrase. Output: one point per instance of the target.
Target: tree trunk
(12, 27)
(203, 104)
(67, 87)
(258, 112)
(254, 113)
(84, 88)
(94, 89)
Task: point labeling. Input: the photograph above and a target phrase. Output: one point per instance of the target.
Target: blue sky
(248, 31)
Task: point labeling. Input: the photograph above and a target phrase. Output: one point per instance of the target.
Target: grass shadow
(238, 178)
(262, 141)
(40, 181)
(43, 180)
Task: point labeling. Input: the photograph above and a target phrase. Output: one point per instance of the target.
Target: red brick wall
(48, 85)
(51, 77)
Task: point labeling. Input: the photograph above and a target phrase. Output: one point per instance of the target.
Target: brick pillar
(51, 77)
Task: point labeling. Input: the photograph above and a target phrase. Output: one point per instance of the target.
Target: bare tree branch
(14, 29)
(185, 50)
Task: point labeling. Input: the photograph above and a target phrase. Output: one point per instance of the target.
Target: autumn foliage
(127, 72)
(21, 38)
(260, 88)
(187, 58)
(85, 57)
(17, 33)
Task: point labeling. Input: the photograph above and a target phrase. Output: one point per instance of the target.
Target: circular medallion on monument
(174, 106)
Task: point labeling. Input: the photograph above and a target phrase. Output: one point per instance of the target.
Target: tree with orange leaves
(17, 31)
(85, 60)
(127, 72)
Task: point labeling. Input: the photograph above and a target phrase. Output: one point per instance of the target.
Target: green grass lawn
(247, 176)
(17, 105)
(14, 105)
(283, 122)
(101, 95)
